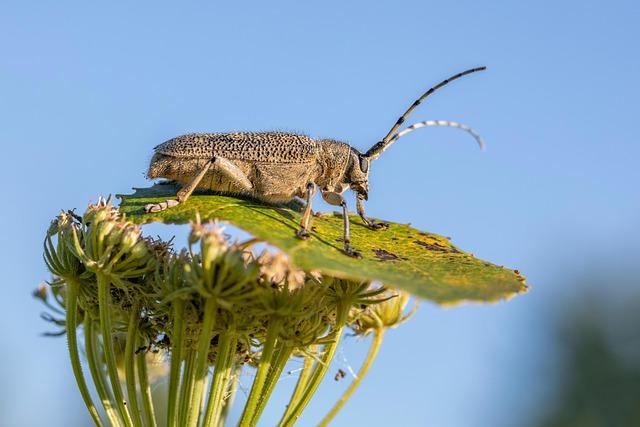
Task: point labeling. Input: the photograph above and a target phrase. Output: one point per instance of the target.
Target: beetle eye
(364, 165)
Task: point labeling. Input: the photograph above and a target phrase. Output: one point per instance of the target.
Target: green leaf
(425, 264)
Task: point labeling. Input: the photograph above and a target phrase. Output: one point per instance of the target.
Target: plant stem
(202, 368)
(104, 303)
(177, 344)
(72, 341)
(97, 373)
(371, 355)
(301, 384)
(129, 364)
(320, 369)
(232, 386)
(261, 375)
(221, 376)
(145, 389)
(280, 358)
(186, 389)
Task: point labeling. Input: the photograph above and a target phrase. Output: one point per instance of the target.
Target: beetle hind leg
(303, 232)
(182, 195)
(222, 165)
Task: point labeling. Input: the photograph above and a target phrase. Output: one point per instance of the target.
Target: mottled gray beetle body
(278, 166)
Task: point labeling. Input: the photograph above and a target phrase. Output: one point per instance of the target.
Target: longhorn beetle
(276, 167)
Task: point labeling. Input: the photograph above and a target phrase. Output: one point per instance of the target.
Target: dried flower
(213, 304)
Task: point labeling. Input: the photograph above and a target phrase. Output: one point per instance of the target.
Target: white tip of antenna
(445, 123)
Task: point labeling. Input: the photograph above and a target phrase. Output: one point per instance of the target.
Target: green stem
(186, 390)
(261, 375)
(221, 376)
(202, 367)
(232, 386)
(97, 373)
(177, 344)
(74, 355)
(301, 385)
(145, 388)
(280, 359)
(320, 368)
(104, 303)
(373, 352)
(129, 364)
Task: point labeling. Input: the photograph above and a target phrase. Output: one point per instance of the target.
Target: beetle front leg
(368, 222)
(303, 233)
(336, 199)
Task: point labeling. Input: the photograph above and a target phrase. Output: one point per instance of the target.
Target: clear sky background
(86, 92)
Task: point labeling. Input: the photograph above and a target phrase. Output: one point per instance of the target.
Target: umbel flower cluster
(205, 312)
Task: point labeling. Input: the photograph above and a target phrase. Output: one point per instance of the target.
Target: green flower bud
(389, 313)
(130, 237)
(140, 250)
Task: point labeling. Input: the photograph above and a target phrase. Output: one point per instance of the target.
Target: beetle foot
(159, 207)
(353, 253)
(152, 207)
(303, 234)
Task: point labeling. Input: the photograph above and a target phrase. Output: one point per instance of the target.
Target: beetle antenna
(447, 123)
(378, 148)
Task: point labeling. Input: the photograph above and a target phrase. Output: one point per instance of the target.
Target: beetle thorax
(333, 160)
(339, 166)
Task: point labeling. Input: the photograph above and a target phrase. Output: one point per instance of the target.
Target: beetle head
(357, 173)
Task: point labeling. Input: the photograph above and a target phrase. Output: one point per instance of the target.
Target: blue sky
(87, 90)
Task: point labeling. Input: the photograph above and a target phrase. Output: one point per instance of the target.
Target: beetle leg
(368, 222)
(183, 194)
(336, 199)
(234, 173)
(303, 233)
(188, 189)
(222, 165)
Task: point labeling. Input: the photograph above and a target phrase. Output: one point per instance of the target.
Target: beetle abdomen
(269, 147)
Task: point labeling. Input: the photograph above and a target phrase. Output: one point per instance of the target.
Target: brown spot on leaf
(383, 255)
(437, 247)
